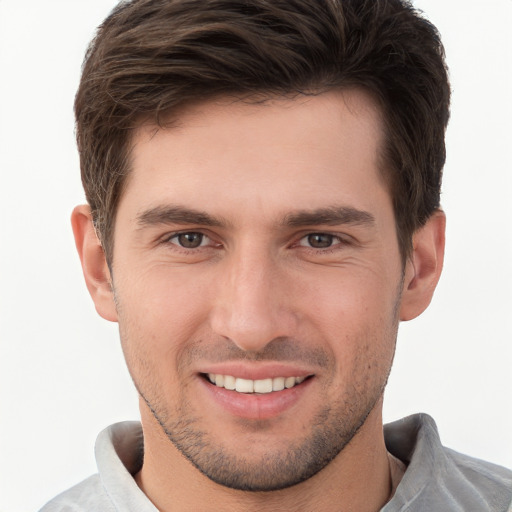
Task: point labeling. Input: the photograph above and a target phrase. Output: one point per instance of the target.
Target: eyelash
(336, 240)
(168, 240)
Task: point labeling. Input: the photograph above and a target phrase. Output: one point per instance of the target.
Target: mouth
(270, 395)
(260, 386)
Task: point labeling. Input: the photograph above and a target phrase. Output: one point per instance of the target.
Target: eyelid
(168, 237)
(339, 240)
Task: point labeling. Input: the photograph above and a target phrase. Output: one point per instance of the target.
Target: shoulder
(85, 496)
(119, 453)
(487, 479)
(438, 478)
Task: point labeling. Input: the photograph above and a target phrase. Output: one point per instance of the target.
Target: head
(153, 58)
(264, 180)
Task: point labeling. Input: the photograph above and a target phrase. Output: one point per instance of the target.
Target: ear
(94, 263)
(423, 267)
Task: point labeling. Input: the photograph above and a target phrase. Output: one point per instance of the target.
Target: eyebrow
(329, 216)
(177, 215)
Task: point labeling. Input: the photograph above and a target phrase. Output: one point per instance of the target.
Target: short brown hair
(151, 57)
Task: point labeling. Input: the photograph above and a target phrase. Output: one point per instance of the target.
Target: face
(257, 281)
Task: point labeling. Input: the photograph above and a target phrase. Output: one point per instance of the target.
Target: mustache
(281, 349)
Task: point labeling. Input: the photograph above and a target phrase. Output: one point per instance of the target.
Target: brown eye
(190, 240)
(320, 240)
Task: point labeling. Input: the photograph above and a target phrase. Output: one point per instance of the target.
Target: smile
(254, 386)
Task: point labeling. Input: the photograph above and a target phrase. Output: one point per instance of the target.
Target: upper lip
(255, 371)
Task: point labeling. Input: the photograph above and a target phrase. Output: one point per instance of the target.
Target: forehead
(307, 151)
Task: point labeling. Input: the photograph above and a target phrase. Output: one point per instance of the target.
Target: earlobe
(94, 264)
(423, 269)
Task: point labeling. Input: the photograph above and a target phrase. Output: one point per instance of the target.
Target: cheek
(160, 316)
(352, 297)
(356, 315)
(163, 299)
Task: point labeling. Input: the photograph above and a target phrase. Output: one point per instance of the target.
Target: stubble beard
(332, 428)
(274, 470)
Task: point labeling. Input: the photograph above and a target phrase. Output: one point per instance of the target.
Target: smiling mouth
(261, 386)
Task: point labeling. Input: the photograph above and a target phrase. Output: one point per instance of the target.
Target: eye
(319, 240)
(189, 240)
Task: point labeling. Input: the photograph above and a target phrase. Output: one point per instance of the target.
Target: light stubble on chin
(274, 470)
(331, 429)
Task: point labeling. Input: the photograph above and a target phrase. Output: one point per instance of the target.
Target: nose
(253, 305)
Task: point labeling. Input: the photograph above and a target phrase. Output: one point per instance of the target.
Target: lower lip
(255, 406)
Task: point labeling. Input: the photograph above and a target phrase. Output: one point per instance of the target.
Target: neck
(361, 478)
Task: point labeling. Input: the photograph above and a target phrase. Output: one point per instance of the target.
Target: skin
(262, 295)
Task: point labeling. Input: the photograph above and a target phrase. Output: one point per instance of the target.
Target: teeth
(244, 385)
(263, 386)
(254, 386)
(229, 382)
(289, 382)
(278, 384)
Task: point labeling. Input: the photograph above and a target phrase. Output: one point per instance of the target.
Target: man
(263, 185)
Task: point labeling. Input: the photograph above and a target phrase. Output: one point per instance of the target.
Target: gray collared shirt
(437, 479)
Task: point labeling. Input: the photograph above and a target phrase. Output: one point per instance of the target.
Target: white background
(62, 376)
